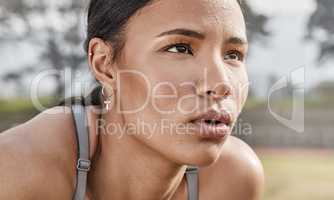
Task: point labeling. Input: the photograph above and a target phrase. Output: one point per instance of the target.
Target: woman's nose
(216, 82)
(215, 92)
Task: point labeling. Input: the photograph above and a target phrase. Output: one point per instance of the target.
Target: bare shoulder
(237, 174)
(36, 157)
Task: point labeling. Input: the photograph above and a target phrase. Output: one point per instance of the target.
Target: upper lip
(221, 116)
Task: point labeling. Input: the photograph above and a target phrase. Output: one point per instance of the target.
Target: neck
(125, 168)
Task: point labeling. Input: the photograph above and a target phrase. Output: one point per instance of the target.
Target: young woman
(172, 83)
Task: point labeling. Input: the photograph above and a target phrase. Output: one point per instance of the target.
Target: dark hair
(107, 19)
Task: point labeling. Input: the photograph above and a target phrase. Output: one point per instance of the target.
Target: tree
(256, 23)
(320, 29)
(17, 78)
(61, 46)
(256, 30)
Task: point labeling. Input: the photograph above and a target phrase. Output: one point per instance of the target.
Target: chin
(206, 157)
(201, 155)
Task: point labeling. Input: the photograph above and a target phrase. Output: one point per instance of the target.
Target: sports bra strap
(192, 182)
(83, 162)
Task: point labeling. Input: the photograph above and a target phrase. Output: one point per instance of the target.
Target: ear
(100, 60)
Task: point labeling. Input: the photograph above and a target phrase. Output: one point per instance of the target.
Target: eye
(180, 48)
(234, 55)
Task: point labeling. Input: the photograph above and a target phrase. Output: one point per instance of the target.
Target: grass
(17, 110)
(16, 105)
(253, 103)
(298, 175)
(286, 104)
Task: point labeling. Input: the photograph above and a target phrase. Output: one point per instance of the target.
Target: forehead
(215, 16)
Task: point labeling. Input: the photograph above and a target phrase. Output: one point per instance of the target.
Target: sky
(290, 7)
(285, 50)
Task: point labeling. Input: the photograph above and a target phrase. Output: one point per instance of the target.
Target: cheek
(170, 83)
(133, 90)
(241, 85)
(164, 97)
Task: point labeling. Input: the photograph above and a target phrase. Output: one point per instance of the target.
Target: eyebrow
(201, 36)
(185, 32)
(236, 40)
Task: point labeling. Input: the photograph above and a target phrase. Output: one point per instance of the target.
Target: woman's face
(174, 52)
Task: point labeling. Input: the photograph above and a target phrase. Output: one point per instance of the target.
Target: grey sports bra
(83, 162)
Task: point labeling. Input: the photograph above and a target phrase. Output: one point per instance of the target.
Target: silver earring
(107, 99)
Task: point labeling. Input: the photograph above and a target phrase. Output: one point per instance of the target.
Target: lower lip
(205, 130)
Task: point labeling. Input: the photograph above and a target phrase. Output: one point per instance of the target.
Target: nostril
(211, 92)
